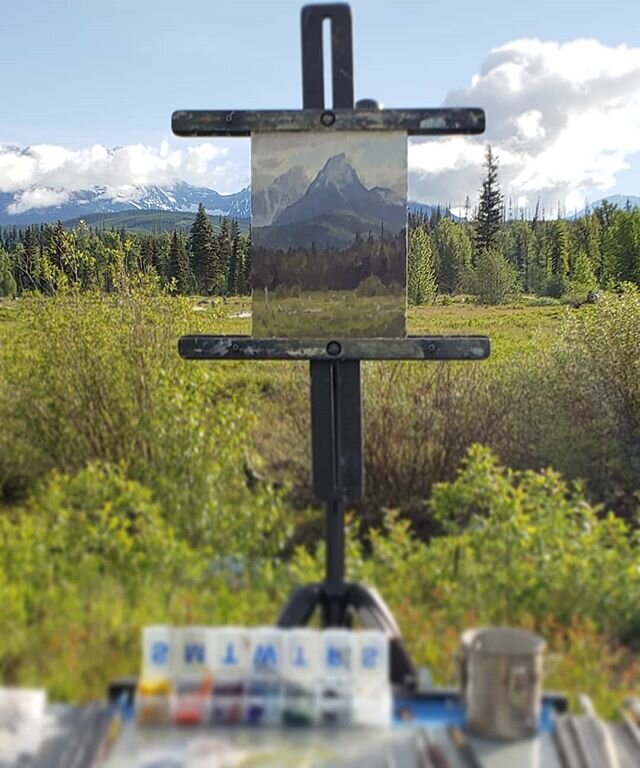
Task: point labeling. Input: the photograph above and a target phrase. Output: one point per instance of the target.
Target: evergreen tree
(59, 246)
(178, 267)
(146, 253)
(525, 239)
(557, 257)
(583, 279)
(421, 278)
(235, 260)
(204, 259)
(489, 218)
(622, 246)
(452, 252)
(28, 262)
(247, 265)
(495, 280)
(560, 249)
(586, 236)
(7, 281)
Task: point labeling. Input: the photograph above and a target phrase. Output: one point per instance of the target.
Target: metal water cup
(501, 681)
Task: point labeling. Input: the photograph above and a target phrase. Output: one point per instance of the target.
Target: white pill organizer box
(198, 675)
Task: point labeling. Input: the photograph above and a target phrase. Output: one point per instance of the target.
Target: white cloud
(562, 118)
(45, 174)
(37, 197)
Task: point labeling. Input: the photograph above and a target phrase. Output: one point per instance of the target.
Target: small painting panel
(329, 224)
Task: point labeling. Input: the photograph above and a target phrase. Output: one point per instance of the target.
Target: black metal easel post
(336, 413)
(336, 399)
(336, 437)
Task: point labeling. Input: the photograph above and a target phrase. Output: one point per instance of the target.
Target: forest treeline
(557, 258)
(496, 259)
(490, 258)
(44, 258)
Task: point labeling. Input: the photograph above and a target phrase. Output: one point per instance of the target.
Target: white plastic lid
(158, 651)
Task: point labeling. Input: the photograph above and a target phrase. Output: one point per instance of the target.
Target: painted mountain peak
(332, 263)
(268, 203)
(335, 207)
(337, 172)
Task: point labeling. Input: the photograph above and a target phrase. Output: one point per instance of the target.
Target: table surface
(75, 737)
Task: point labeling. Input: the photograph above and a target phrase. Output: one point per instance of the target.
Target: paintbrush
(431, 754)
(464, 746)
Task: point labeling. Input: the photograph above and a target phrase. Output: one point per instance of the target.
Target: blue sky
(79, 73)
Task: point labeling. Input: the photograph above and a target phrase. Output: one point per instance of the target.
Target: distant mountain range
(136, 209)
(180, 197)
(268, 203)
(99, 205)
(619, 200)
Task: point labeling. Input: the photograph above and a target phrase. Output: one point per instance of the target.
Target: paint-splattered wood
(415, 122)
(410, 348)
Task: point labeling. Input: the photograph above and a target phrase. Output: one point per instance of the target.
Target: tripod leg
(375, 614)
(300, 606)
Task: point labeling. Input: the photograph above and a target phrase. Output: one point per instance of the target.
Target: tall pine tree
(421, 277)
(489, 217)
(452, 256)
(245, 287)
(203, 252)
(178, 267)
(234, 276)
(224, 254)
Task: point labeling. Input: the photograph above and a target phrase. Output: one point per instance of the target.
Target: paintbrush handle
(438, 757)
(464, 746)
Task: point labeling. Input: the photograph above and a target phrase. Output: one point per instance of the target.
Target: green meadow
(139, 488)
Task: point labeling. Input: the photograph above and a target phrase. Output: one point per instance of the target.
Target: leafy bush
(583, 412)
(98, 378)
(519, 548)
(81, 552)
(87, 562)
(372, 286)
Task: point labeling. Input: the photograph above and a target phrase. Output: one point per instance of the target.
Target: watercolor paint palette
(264, 676)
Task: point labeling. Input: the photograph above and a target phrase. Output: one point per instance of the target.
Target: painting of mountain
(286, 189)
(329, 222)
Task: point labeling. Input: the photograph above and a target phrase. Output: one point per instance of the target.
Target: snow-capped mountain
(335, 209)
(180, 197)
(287, 189)
(337, 187)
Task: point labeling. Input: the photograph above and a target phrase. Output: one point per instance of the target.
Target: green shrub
(583, 413)
(97, 378)
(527, 544)
(88, 561)
(372, 286)
(519, 548)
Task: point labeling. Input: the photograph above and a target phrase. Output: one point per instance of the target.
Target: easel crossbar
(410, 348)
(415, 122)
